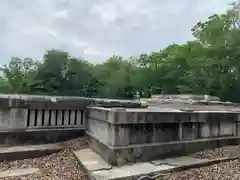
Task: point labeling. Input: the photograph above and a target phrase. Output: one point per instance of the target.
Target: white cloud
(96, 29)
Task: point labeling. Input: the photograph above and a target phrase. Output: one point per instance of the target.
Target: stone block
(100, 129)
(136, 135)
(215, 128)
(205, 130)
(138, 151)
(91, 161)
(190, 131)
(4, 119)
(18, 119)
(227, 128)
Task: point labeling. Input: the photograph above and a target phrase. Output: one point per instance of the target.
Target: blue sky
(96, 29)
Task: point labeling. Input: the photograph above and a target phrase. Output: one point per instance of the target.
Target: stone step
(98, 169)
(18, 172)
(91, 160)
(29, 151)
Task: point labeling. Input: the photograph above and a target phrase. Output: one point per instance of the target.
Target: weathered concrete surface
(23, 112)
(38, 136)
(98, 169)
(118, 156)
(18, 172)
(130, 172)
(192, 99)
(91, 160)
(185, 97)
(147, 169)
(40, 101)
(126, 135)
(23, 152)
(180, 161)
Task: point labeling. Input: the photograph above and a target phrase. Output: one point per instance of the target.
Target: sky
(96, 29)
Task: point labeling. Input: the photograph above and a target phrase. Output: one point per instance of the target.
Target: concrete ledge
(24, 152)
(38, 136)
(60, 102)
(97, 163)
(118, 156)
(150, 170)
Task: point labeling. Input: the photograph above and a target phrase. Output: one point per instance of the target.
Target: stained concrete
(23, 152)
(130, 171)
(180, 161)
(38, 136)
(18, 172)
(128, 135)
(91, 160)
(98, 169)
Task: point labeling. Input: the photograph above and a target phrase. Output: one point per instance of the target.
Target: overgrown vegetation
(210, 64)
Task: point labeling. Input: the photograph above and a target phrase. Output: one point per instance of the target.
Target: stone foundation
(38, 136)
(124, 136)
(42, 119)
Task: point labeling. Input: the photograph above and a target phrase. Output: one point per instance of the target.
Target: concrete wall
(15, 119)
(185, 97)
(23, 112)
(120, 131)
(35, 118)
(126, 135)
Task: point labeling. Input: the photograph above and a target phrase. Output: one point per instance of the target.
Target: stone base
(40, 136)
(98, 169)
(118, 156)
(31, 151)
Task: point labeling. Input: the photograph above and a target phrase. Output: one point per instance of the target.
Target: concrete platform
(91, 161)
(180, 161)
(18, 172)
(29, 151)
(98, 169)
(129, 172)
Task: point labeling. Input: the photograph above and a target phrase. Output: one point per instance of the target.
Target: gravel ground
(58, 166)
(227, 151)
(222, 171)
(64, 165)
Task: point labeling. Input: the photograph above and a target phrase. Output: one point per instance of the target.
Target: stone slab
(18, 172)
(29, 151)
(180, 161)
(98, 169)
(91, 160)
(30, 148)
(129, 172)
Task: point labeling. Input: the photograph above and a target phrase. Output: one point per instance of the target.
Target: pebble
(57, 166)
(64, 166)
(229, 170)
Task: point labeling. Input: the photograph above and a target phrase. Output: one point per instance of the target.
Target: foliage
(209, 64)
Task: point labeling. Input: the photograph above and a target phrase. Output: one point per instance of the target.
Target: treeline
(210, 64)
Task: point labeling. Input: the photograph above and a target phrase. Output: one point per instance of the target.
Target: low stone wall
(29, 117)
(122, 135)
(21, 112)
(185, 97)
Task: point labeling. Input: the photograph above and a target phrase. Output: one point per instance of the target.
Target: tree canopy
(209, 64)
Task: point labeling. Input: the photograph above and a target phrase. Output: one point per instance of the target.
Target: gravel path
(64, 165)
(226, 151)
(58, 166)
(222, 171)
